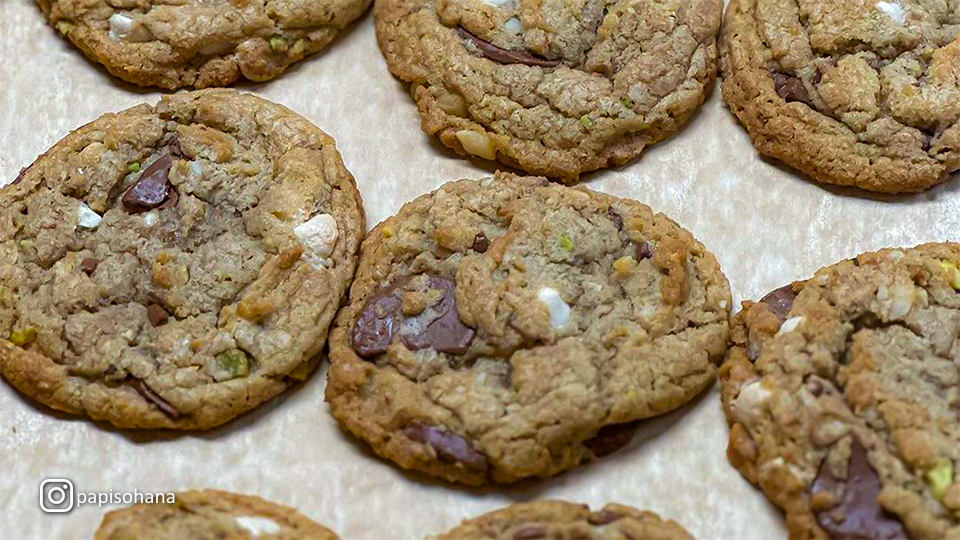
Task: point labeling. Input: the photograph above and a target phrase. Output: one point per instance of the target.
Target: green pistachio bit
(64, 27)
(586, 122)
(133, 167)
(26, 244)
(298, 46)
(628, 103)
(22, 338)
(940, 477)
(565, 242)
(301, 372)
(234, 362)
(276, 42)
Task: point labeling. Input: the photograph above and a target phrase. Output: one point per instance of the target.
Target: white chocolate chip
(748, 404)
(87, 218)
(150, 219)
(318, 236)
(477, 144)
(893, 10)
(790, 325)
(723, 304)
(559, 310)
(513, 25)
(196, 168)
(128, 29)
(258, 525)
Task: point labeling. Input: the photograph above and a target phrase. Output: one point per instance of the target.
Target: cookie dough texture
(855, 93)
(558, 520)
(199, 43)
(842, 396)
(555, 88)
(210, 515)
(510, 328)
(173, 266)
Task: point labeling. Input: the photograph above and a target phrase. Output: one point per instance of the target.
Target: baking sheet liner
(767, 226)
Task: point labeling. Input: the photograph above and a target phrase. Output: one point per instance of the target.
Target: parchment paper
(767, 225)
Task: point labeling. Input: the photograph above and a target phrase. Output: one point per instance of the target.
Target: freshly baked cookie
(176, 265)
(559, 520)
(855, 93)
(510, 327)
(555, 88)
(842, 396)
(210, 515)
(199, 43)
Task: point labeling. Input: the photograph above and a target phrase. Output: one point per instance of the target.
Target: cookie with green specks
(843, 396)
(510, 328)
(558, 520)
(555, 88)
(210, 515)
(199, 43)
(173, 266)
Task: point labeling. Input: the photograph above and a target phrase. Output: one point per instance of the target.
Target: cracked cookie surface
(855, 93)
(173, 266)
(557, 520)
(199, 43)
(508, 328)
(842, 396)
(557, 87)
(210, 515)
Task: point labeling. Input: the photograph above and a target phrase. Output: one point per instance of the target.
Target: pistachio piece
(234, 362)
(23, 337)
(565, 242)
(940, 477)
(953, 274)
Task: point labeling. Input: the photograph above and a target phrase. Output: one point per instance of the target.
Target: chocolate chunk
(815, 387)
(151, 188)
(611, 438)
(157, 315)
(89, 265)
(111, 369)
(615, 218)
(382, 315)
(862, 515)
(449, 446)
(151, 396)
(791, 88)
(480, 243)
(171, 201)
(504, 56)
(643, 251)
(529, 532)
(603, 517)
(780, 301)
(927, 142)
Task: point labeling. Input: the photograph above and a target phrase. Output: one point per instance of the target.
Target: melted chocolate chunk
(88, 266)
(530, 532)
(449, 446)
(603, 517)
(643, 251)
(863, 517)
(504, 56)
(480, 243)
(611, 438)
(157, 315)
(148, 394)
(151, 188)
(382, 317)
(615, 218)
(791, 88)
(780, 301)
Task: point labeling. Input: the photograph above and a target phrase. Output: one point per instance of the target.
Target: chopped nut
(565, 242)
(940, 477)
(298, 46)
(388, 232)
(478, 144)
(276, 42)
(413, 304)
(953, 274)
(624, 265)
(453, 104)
(133, 167)
(24, 337)
(234, 362)
(64, 27)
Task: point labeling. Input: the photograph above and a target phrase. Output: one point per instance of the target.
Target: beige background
(766, 225)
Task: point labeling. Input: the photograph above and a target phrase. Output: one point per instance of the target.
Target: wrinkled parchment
(766, 225)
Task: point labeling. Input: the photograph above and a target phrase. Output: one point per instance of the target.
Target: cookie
(210, 515)
(842, 396)
(199, 43)
(559, 520)
(863, 94)
(552, 88)
(173, 266)
(509, 328)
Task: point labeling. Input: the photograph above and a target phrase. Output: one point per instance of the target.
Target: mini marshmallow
(87, 218)
(318, 236)
(258, 525)
(559, 310)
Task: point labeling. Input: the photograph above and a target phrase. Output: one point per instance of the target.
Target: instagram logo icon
(56, 496)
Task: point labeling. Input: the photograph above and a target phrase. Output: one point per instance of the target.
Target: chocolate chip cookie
(842, 396)
(199, 43)
(210, 515)
(553, 88)
(559, 520)
(173, 266)
(863, 94)
(509, 327)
